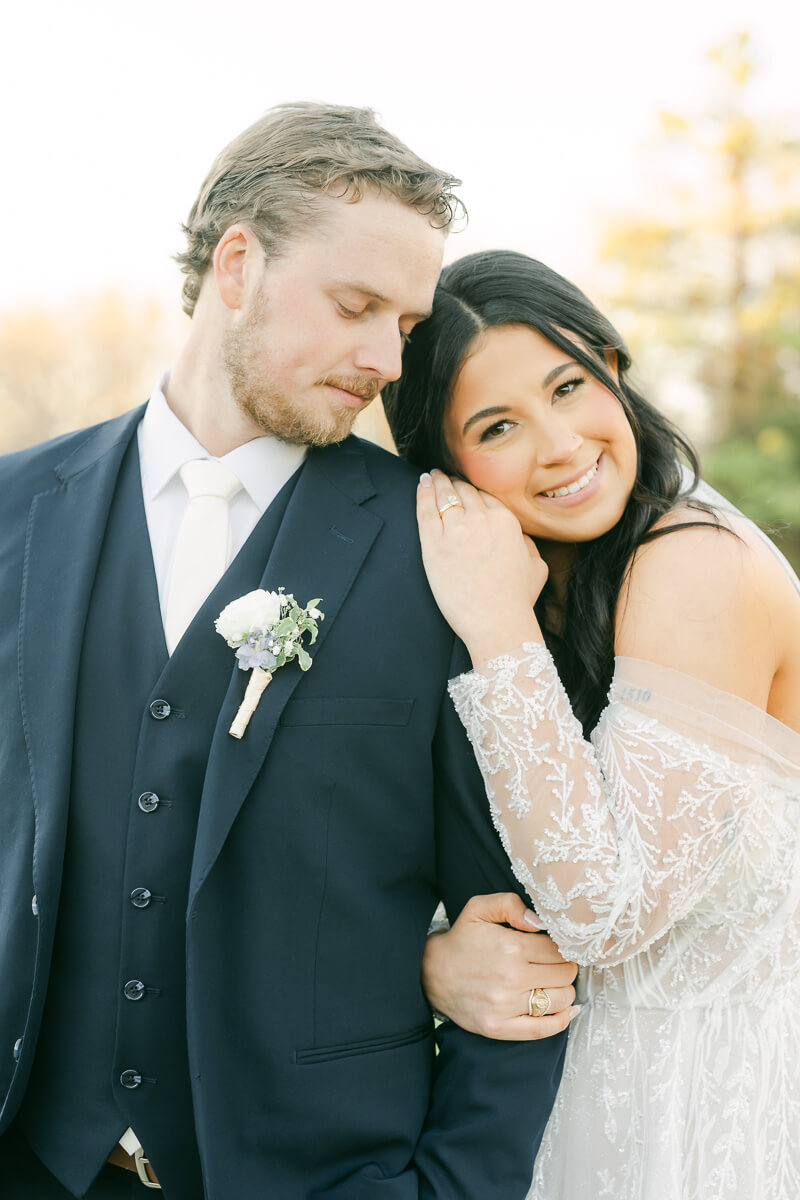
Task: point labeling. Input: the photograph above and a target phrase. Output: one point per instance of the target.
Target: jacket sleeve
(491, 1099)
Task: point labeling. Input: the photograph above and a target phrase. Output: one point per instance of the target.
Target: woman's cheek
(487, 471)
(608, 419)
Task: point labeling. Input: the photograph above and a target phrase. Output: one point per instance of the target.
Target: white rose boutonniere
(266, 630)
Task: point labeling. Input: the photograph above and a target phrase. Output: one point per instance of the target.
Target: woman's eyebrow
(556, 371)
(485, 412)
(502, 408)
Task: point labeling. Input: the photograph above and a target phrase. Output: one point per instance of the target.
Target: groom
(209, 947)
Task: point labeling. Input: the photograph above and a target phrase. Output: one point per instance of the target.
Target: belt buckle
(142, 1164)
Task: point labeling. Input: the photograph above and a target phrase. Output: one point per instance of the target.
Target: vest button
(35, 906)
(160, 710)
(134, 989)
(148, 802)
(17, 1049)
(130, 1079)
(141, 897)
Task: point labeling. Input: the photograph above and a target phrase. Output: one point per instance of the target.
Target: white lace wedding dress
(664, 857)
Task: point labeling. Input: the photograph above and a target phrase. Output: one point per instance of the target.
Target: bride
(635, 712)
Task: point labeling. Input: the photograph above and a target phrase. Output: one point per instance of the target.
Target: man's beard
(275, 413)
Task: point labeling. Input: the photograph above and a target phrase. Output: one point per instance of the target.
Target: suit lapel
(64, 536)
(319, 550)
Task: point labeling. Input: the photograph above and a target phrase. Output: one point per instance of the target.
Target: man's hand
(480, 974)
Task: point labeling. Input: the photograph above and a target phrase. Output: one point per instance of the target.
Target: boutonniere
(266, 630)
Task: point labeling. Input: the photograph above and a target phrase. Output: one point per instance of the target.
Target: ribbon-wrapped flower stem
(266, 630)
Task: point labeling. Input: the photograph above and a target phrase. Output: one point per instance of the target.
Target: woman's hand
(485, 574)
(481, 974)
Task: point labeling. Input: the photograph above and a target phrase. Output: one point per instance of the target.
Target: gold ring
(450, 502)
(538, 1003)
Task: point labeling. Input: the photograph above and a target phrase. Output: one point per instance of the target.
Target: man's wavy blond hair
(272, 175)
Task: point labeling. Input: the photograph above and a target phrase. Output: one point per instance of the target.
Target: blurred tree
(709, 287)
(63, 369)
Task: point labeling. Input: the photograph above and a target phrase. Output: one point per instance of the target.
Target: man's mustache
(361, 385)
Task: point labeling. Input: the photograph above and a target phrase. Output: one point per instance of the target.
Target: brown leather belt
(136, 1163)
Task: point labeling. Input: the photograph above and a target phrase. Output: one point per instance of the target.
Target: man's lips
(353, 393)
(350, 399)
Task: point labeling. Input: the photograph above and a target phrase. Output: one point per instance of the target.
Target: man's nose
(381, 354)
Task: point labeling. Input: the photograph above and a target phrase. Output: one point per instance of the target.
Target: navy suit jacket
(326, 836)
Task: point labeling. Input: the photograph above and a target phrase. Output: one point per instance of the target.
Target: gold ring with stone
(450, 502)
(538, 1003)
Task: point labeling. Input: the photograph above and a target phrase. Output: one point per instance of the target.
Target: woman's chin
(573, 526)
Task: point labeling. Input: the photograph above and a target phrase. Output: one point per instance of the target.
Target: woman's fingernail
(532, 919)
(573, 1012)
(425, 479)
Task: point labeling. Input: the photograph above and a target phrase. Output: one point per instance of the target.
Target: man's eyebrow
(556, 371)
(368, 291)
(485, 412)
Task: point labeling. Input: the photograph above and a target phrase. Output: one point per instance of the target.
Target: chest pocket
(346, 710)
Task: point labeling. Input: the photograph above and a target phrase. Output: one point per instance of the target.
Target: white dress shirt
(263, 465)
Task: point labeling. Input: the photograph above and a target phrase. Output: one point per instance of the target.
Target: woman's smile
(574, 491)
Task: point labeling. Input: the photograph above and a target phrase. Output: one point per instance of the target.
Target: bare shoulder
(705, 597)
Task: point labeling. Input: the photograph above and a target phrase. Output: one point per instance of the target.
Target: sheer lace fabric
(664, 857)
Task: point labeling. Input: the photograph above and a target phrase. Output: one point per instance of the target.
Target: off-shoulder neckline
(780, 735)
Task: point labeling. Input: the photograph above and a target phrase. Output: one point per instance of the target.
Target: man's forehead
(377, 247)
(377, 223)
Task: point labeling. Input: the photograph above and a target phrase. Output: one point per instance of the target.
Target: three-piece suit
(218, 942)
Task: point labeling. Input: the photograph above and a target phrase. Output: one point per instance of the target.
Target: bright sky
(113, 113)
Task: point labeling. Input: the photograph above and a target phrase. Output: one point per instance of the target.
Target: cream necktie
(203, 546)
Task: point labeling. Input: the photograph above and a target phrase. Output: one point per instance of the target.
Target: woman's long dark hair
(500, 287)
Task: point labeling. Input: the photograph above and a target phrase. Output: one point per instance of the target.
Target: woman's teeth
(577, 486)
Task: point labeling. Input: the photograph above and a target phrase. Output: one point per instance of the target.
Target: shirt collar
(263, 465)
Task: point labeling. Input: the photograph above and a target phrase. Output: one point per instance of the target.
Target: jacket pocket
(321, 1054)
(346, 710)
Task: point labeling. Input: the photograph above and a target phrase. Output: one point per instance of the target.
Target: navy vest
(112, 1049)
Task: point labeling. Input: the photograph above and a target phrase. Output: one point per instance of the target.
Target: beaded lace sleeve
(617, 839)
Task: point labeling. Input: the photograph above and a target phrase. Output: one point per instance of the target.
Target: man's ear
(236, 250)
(612, 362)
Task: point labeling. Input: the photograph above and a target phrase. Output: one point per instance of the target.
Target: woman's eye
(568, 387)
(495, 431)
